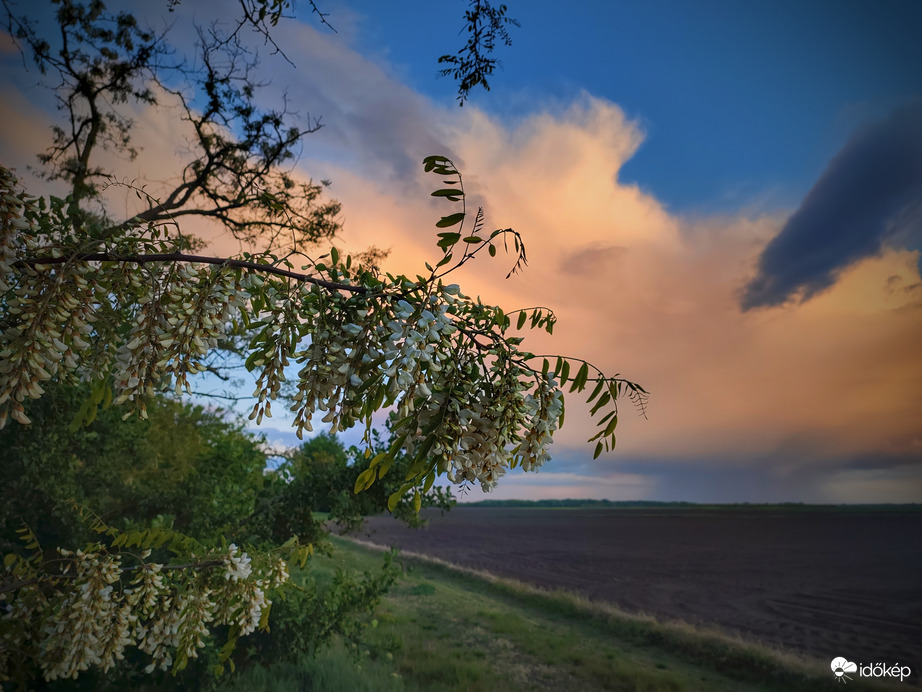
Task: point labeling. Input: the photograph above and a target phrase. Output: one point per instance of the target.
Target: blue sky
(742, 103)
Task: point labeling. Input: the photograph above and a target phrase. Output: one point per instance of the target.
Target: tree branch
(182, 257)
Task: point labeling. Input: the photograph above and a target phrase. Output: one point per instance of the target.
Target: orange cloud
(656, 297)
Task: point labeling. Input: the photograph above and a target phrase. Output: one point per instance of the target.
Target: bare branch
(199, 259)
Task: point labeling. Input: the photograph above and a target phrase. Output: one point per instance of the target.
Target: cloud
(869, 195)
(589, 259)
(556, 485)
(751, 406)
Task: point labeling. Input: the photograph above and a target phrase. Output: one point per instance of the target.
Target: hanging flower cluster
(46, 315)
(99, 608)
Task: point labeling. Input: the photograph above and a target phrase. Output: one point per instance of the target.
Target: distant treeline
(649, 504)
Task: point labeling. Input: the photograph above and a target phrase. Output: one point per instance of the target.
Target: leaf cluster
(486, 24)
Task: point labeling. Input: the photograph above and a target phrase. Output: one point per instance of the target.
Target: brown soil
(831, 583)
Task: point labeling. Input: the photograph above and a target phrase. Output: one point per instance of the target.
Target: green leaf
(522, 317)
(430, 479)
(334, 256)
(80, 416)
(606, 417)
(581, 376)
(448, 239)
(398, 443)
(473, 240)
(492, 250)
(251, 360)
(565, 373)
(385, 466)
(596, 391)
(450, 220)
(417, 502)
(612, 424)
(450, 193)
(598, 451)
(430, 163)
(365, 479)
(419, 461)
(604, 399)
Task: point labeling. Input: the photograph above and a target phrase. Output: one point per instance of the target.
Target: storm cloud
(869, 195)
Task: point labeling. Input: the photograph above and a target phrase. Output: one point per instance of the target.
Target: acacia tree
(102, 62)
(127, 307)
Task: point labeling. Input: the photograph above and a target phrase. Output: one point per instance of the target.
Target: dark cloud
(869, 195)
(758, 478)
(589, 260)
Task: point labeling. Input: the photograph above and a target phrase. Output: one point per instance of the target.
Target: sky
(722, 202)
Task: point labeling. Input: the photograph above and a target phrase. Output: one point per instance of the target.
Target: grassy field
(442, 628)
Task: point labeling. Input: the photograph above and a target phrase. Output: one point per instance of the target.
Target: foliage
(186, 468)
(321, 475)
(310, 616)
(485, 24)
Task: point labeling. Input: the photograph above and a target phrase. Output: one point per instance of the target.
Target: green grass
(334, 669)
(449, 629)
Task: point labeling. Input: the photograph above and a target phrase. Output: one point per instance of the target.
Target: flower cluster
(237, 565)
(12, 222)
(98, 608)
(89, 627)
(543, 409)
(48, 310)
(179, 319)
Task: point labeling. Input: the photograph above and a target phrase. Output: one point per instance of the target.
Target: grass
(452, 629)
(334, 669)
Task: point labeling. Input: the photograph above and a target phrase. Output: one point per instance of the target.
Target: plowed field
(826, 583)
